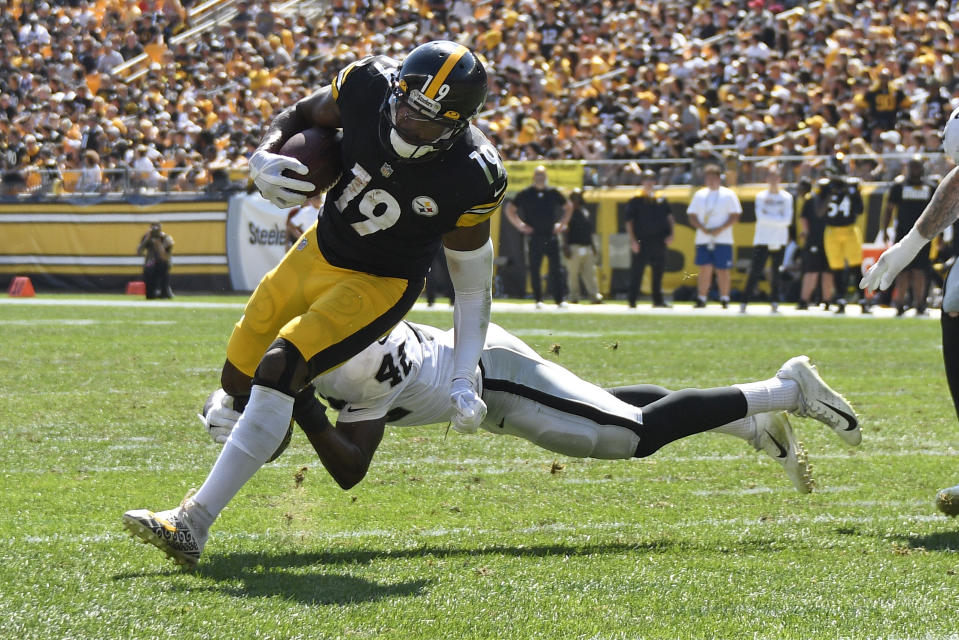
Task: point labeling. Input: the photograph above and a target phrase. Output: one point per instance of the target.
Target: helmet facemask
(417, 127)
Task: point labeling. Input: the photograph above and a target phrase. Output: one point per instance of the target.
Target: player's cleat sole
(947, 501)
(169, 531)
(775, 436)
(819, 401)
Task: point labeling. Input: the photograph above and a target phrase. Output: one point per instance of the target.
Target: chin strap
(471, 273)
(404, 149)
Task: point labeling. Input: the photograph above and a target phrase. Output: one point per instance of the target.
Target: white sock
(775, 394)
(257, 434)
(744, 428)
(231, 471)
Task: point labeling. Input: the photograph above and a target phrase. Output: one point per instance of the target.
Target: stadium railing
(118, 184)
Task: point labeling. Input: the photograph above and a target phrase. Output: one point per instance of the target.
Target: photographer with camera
(156, 247)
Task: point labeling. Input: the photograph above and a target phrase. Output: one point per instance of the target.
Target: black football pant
(156, 280)
(653, 253)
(761, 253)
(669, 416)
(548, 246)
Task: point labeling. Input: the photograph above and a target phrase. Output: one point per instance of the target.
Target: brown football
(319, 149)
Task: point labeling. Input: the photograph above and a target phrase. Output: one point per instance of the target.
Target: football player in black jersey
(907, 198)
(416, 174)
(842, 239)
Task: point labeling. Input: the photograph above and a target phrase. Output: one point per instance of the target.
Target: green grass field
(454, 536)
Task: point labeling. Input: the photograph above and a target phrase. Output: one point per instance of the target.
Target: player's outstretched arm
(347, 450)
(469, 254)
(941, 212)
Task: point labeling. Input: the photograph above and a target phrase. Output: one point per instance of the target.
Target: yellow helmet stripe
(434, 86)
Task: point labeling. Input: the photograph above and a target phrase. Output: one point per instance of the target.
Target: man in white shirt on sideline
(713, 212)
(774, 214)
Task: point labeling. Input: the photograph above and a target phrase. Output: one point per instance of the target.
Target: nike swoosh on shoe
(850, 419)
(782, 450)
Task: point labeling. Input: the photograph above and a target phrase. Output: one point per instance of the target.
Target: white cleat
(775, 436)
(818, 400)
(948, 501)
(173, 532)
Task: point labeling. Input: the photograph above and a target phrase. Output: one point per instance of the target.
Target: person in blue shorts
(713, 211)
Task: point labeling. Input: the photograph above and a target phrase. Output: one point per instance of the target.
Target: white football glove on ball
(892, 261)
(266, 170)
(218, 416)
(469, 410)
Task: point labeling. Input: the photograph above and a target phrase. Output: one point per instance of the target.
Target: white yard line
(612, 308)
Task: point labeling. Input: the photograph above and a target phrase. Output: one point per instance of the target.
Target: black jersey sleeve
(362, 79)
(485, 180)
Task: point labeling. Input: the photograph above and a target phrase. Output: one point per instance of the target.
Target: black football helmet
(438, 89)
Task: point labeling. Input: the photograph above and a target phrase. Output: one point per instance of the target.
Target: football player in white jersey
(941, 212)
(399, 380)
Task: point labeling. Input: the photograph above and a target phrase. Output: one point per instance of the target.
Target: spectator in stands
(109, 56)
(883, 103)
(145, 174)
(131, 46)
(33, 32)
(91, 177)
(817, 62)
(890, 144)
(12, 184)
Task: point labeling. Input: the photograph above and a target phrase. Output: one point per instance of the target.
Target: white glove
(218, 416)
(469, 410)
(892, 261)
(266, 169)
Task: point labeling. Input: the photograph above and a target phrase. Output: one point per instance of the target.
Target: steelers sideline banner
(562, 175)
(92, 247)
(256, 238)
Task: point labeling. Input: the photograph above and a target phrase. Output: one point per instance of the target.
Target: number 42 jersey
(385, 216)
(396, 378)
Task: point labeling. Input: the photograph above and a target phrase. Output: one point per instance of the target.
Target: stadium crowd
(634, 81)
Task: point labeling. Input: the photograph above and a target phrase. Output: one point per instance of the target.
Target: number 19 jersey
(385, 216)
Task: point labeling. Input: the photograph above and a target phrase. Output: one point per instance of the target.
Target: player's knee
(281, 368)
(605, 442)
(233, 381)
(574, 443)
